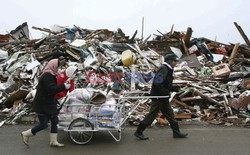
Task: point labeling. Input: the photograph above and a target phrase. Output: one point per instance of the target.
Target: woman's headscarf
(52, 67)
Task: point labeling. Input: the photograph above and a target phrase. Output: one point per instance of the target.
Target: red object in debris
(221, 50)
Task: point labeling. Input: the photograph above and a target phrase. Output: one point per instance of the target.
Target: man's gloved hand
(67, 85)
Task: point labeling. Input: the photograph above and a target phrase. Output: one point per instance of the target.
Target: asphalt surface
(201, 141)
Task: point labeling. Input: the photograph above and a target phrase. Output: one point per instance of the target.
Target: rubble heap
(211, 80)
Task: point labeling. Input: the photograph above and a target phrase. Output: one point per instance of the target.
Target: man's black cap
(171, 57)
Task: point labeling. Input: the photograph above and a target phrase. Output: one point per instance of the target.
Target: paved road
(201, 141)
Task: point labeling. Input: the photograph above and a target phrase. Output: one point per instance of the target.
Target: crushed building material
(211, 80)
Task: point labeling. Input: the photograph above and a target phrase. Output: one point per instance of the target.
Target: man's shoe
(178, 134)
(141, 136)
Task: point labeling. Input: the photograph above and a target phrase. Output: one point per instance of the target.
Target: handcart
(85, 119)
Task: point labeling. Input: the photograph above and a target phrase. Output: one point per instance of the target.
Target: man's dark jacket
(47, 88)
(162, 84)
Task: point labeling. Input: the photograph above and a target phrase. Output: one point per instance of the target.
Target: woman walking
(45, 105)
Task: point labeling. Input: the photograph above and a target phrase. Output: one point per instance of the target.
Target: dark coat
(163, 80)
(47, 88)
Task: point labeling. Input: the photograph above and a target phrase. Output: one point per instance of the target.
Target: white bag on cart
(107, 114)
(109, 122)
(79, 96)
(70, 112)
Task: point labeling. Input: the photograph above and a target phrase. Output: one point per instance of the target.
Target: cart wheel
(82, 131)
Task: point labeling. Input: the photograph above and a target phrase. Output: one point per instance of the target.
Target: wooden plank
(185, 47)
(244, 36)
(183, 104)
(133, 81)
(234, 53)
(193, 98)
(73, 54)
(221, 90)
(132, 39)
(183, 116)
(188, 36)
(43, 29)
(193, 73)
(228, 108)
(231, 92)
(142, 29)
(172, 30)
(197, 86)
(205, 97)
(138, 50)
(94, 33)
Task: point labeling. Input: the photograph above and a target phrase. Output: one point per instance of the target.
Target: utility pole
(142, 29)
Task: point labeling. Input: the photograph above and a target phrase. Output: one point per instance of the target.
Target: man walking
(161, 86)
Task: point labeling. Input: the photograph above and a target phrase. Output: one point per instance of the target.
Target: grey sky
(208, 18)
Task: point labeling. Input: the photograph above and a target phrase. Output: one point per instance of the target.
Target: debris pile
(211, 80)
